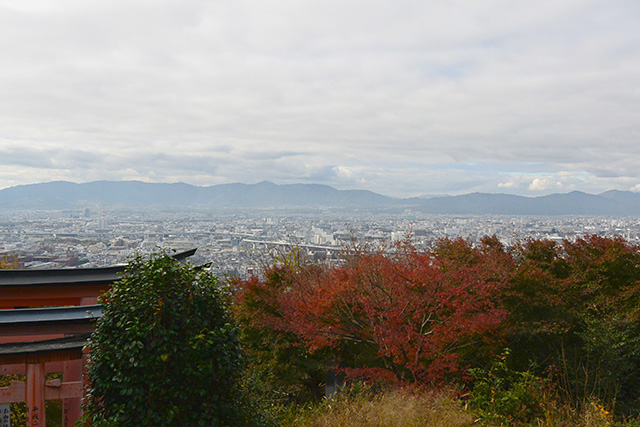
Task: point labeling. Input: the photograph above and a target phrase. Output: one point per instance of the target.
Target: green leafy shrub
(507, 397)
(165, 352)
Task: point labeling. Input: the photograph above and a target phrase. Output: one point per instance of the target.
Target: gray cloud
(388, 96)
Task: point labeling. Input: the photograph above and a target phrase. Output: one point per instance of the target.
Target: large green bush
(165, 352)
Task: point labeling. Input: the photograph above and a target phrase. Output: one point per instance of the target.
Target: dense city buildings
(238, 243)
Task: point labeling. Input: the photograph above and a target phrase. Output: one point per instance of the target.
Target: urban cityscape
(239, 243)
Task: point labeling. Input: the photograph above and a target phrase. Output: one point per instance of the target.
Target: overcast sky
(401, 97)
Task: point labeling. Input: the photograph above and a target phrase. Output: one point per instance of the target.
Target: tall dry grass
(430, 409)
(390, 409)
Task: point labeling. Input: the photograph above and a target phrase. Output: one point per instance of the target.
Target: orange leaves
(158, 306)
(412, 316)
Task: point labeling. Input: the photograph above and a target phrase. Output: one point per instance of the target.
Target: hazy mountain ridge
(136, 194)
(573, 203)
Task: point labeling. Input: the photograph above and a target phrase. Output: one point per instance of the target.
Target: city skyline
(241, 242)
(401, 98)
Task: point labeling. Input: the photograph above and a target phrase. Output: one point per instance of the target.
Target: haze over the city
(400, 97)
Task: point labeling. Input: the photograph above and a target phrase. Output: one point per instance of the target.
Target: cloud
(542, 184)
(508, 184)
(395, 97)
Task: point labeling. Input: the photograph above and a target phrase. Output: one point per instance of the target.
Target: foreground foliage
(568, 311)
(165, 352)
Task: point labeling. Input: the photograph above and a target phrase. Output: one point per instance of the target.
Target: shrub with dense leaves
(503, 396)
(165, 352)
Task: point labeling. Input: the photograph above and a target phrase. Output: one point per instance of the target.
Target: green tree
(606, 274)
(573, 310)
(280, 368)
(165, 352)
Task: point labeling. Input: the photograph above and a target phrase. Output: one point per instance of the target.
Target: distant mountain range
(135, 194)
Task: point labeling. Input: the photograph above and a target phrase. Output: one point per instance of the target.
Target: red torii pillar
(34, 395)
(71, 407)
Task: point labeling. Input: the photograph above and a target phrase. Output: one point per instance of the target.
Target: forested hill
(135, 194)
(574, 203)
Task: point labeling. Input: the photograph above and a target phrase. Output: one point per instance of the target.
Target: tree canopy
(425, 318)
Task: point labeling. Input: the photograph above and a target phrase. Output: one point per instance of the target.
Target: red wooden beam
(48, 295)
(58, 390)
(59, 330)
(13, 393)
(53, 390)
(20, 369)
(28, 338)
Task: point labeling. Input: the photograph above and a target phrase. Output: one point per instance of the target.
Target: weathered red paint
(53, 390)
(13, 393)
(72, 407)
(23, 338)
(36, 416)
(49, 295)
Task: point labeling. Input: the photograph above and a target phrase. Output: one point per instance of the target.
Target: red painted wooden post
(35, 395)
(71, 407)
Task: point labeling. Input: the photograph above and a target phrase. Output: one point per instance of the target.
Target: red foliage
(425, 317)
(414, 317)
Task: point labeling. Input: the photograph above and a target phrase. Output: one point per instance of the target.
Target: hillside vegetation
(537, 334)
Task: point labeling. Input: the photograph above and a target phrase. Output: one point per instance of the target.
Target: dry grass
(392, 409)
(434, 409)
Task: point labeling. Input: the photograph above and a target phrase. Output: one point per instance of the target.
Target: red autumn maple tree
(411, 317)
